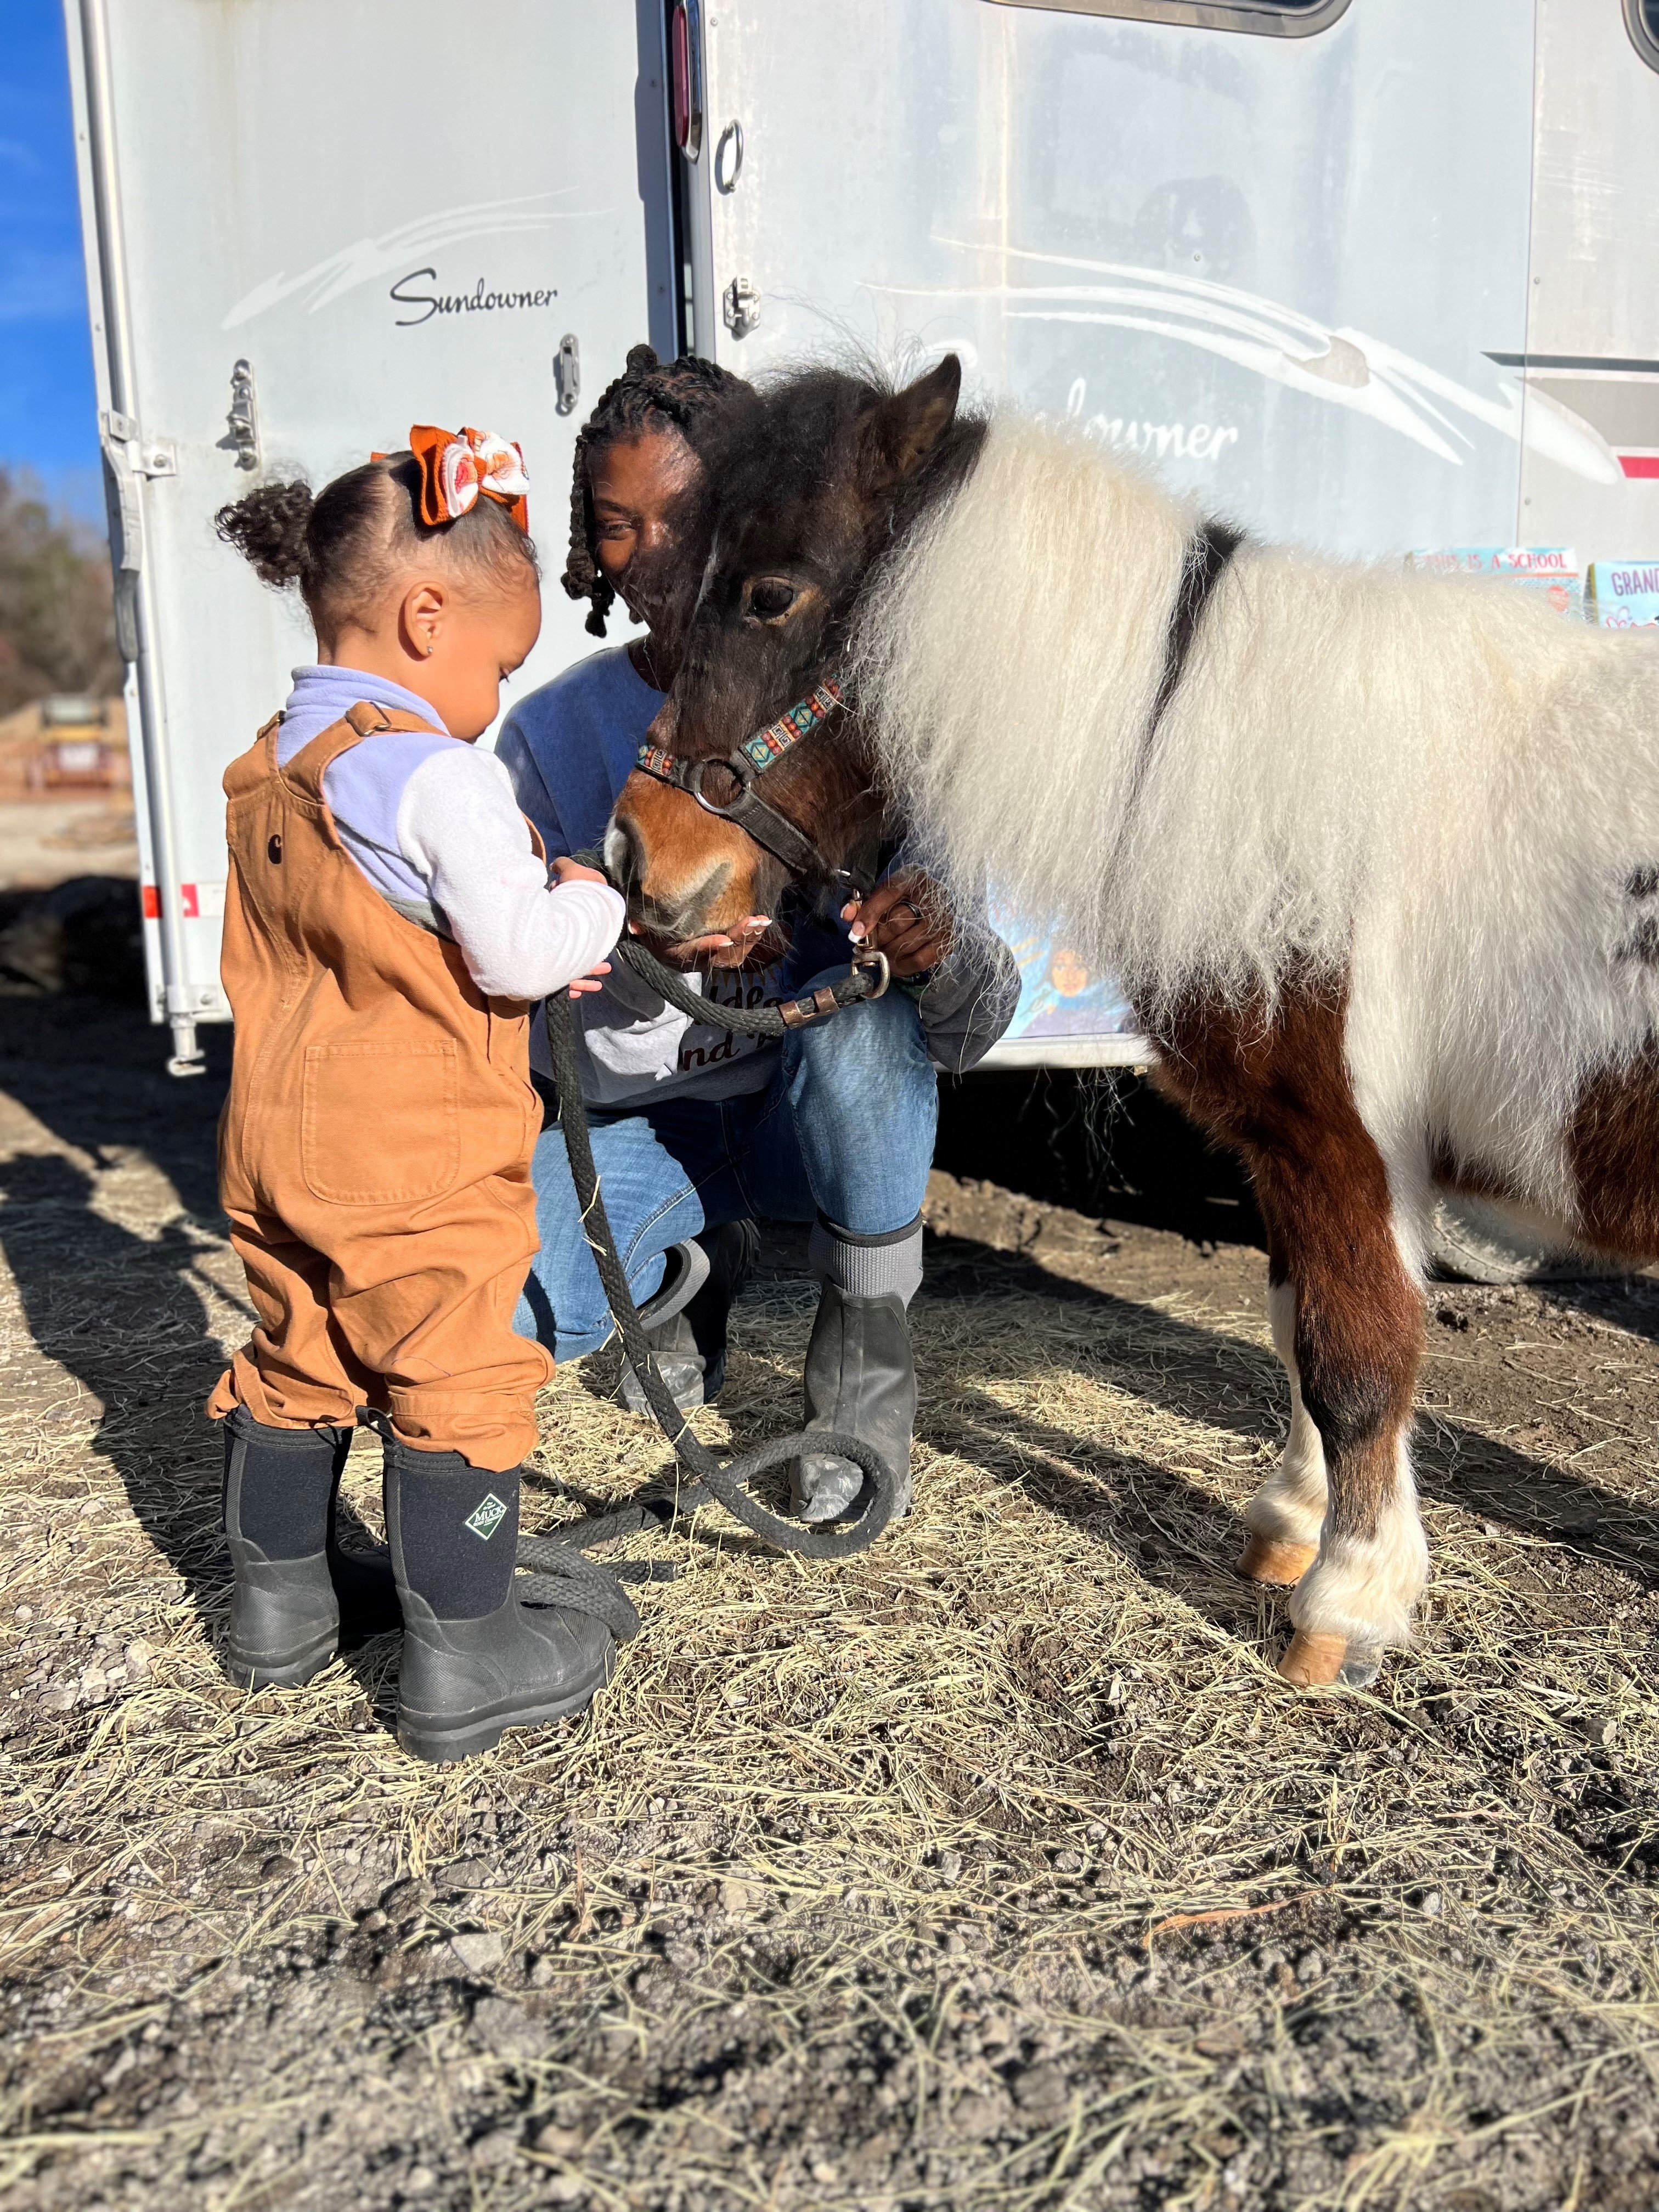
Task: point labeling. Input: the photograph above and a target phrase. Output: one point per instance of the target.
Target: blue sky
(48, 421)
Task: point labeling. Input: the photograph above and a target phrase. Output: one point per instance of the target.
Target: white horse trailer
(1375, 275)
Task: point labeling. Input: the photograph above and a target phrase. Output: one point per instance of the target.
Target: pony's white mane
(1435, 787)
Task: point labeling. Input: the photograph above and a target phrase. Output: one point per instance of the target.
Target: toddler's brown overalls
(374, 1151)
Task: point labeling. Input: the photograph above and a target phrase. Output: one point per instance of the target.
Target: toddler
(389, 915)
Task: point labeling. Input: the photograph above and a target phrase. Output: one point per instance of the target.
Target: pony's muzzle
(683, 871)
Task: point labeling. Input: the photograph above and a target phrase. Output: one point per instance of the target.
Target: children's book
(1552, 569)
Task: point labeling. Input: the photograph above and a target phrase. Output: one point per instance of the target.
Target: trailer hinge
(741, 304)
(145, 457)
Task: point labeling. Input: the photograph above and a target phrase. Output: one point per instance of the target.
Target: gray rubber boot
(860, 1377)
(686, 1320)
(475, 1660)
(297, 1596)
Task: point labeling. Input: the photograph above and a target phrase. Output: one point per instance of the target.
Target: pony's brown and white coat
(1381, 876)
(1436, 790)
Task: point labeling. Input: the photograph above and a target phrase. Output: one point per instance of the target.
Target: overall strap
(257, 766)
(305, 772)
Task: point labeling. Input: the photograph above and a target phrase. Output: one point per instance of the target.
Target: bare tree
(56, 624)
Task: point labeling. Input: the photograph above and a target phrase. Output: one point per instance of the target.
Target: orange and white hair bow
(455, 469)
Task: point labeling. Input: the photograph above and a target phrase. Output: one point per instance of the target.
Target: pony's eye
(771, 597)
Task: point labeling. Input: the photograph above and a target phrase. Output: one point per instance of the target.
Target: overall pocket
(381, 1124)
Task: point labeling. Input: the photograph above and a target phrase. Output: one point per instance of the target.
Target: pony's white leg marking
(1362, 1591)
(1287, 1514)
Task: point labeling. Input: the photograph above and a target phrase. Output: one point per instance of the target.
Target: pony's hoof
(1313, 1662)
(1271, 1559)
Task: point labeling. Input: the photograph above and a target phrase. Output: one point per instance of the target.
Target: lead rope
(559, 1574)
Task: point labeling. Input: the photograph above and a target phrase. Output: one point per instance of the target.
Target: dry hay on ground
(994, 1868)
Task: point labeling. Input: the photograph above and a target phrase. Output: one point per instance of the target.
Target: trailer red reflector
(152, 904)
(1639, 465)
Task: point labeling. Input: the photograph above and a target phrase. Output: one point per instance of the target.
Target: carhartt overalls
(374, 1151)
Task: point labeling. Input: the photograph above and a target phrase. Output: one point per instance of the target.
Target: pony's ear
(901, 432)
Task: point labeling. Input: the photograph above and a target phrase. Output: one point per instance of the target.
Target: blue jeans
(845, 1127)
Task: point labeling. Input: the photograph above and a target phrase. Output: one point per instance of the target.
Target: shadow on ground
(119, 1312)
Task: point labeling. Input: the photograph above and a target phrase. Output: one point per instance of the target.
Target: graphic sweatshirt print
(433, 823)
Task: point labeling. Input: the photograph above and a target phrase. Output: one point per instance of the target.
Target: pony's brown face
(801, 511)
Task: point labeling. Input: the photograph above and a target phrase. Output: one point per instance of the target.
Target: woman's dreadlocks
(648, 395)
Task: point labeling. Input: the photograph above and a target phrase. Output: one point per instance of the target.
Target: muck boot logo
(486, 1517)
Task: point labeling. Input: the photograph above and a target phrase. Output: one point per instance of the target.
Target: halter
(748, 761)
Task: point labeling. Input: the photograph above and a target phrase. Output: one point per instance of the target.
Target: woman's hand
(906, 917)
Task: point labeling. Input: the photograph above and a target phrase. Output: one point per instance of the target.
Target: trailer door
(310, 223)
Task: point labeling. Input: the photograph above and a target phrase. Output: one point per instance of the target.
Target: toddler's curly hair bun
(268, 527)
(346, 547)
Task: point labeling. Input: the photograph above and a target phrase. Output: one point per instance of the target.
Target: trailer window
(1282, 19)
(1642, 20)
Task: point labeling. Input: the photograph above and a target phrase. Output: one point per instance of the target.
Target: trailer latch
(741, 304)
(568, 372)
(242, 419)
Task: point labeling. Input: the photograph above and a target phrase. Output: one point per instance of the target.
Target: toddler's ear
(421, 617)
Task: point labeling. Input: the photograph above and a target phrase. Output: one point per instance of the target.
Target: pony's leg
(1356, 1341)
(1287, 1514)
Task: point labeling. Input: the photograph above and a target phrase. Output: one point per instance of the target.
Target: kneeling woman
(697, 1131)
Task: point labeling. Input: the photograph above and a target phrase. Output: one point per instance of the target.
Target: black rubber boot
(296, 1595)
(686, 1319)
(475, 1660)
(860, 1377)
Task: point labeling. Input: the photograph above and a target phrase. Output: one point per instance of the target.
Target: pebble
(463, 1873)
(499, 2148)
(139, 1657)
(949, 1864)
(480, 1951)
(419, 2181)
(507, 2030)
(555, 2141)
(1430, 1904)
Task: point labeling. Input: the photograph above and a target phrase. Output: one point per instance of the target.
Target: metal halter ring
(870, 958)
(742, 769)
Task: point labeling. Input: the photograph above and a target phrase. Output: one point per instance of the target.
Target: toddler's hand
(567, 871)
(591, 982)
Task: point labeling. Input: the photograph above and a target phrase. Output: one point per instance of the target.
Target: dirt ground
(44, 840)
(994, 1868)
